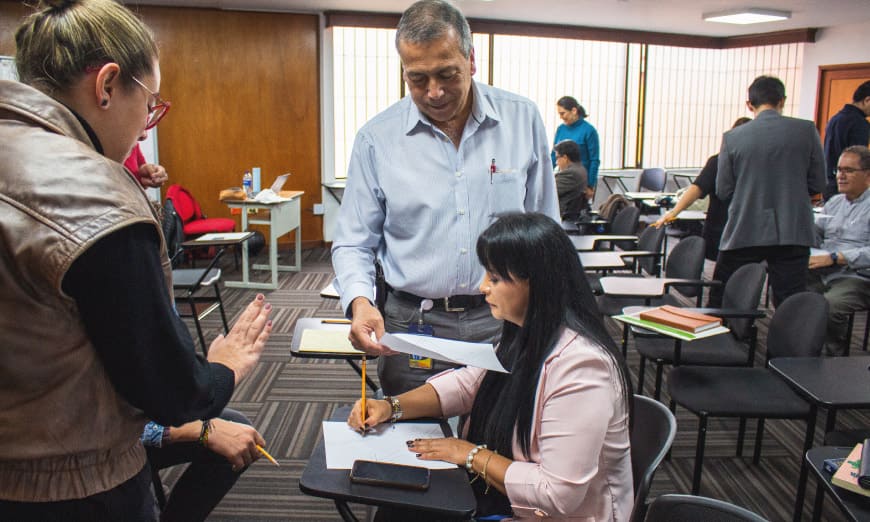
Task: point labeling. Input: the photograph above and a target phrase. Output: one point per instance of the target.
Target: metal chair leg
(759, 434)
(699, 453)
(741, 433)
(640, 375)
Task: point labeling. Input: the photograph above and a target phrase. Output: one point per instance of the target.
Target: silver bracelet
(470, 458)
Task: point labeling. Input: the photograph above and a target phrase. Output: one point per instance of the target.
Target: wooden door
(837, 84)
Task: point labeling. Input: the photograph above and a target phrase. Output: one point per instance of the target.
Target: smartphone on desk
(389, 475)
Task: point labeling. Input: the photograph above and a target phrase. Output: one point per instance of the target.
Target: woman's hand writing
(377, 412)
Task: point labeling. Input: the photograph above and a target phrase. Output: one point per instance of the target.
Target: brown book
(685, 320)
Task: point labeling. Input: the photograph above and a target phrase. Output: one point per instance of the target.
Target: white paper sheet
(479, 355)
(385, 443)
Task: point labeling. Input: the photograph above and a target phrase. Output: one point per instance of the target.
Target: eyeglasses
(848, 170)
(157, 111)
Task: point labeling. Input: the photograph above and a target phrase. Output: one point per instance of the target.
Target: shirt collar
(859, 199)
(481, 109)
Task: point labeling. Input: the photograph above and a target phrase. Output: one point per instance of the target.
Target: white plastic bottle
(247, 184)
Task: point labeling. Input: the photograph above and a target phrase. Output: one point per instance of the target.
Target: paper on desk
(479, 355)
(328, 341)
(384, 443)
(222, 236)
(269, 196)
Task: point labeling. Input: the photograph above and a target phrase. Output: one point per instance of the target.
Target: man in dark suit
(847, 127)
(768, 168)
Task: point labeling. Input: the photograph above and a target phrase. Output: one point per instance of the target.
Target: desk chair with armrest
(741, 297)
(646, 260)
(623, 224)
(652, 433)
(688, 508)
(797, 329)
(190, 282)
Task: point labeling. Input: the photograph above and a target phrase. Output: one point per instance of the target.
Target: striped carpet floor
(287, 398)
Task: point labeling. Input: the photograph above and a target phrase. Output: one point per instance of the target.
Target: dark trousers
(129, 502)
(473, 325)
(787, 268)
(203, 484)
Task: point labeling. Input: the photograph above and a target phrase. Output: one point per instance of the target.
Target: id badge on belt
(420, 328)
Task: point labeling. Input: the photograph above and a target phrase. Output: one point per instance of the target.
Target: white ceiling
(669, 16)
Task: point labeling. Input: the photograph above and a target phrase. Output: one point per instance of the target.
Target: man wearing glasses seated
(844, 230)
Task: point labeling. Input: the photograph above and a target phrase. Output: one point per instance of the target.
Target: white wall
(834, 45)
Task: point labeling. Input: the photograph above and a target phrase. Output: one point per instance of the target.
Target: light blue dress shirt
(418, 203)
(844, 227)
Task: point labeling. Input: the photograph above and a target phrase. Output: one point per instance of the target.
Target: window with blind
(653, 106)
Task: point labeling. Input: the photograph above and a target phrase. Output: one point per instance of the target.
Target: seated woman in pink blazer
(550, 439)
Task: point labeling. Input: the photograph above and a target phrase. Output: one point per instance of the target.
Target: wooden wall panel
(245, 92)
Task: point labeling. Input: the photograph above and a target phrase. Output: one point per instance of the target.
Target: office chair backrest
(798, 326)
(625, 224)
(743, 292)
(688, 508)
(650, 240)
(686, 261)
(652, 179)
(652, 433)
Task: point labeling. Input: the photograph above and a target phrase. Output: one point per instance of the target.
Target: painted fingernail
(419, 454)
(409, 443)
(260, 297)
(268, 306)
(269, 323)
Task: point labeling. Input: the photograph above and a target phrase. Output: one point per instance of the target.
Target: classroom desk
(687, 175)
(283, 217)
(589, 242)
(317, 323)
(854, 506)
(610, 259)
(449, 493)
(335, 189)
(830, 382)
(617, 178)
(642, 287)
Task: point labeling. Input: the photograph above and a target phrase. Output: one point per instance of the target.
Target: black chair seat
(719, 350)
(735, 392)
(182, 278)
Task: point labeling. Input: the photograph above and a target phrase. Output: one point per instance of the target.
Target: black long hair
(534, 248)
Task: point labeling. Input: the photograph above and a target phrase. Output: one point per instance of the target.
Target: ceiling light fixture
(745, 16)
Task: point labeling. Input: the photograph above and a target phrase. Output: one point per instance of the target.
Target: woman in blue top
(578, 130)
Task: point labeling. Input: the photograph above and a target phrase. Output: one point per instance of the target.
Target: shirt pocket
(507, 192)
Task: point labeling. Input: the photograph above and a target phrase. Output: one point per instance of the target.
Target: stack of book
(688, 321)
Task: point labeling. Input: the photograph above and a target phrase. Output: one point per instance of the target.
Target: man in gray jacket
(768, 168)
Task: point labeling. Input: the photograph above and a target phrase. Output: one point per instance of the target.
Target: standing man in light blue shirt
(844, 230)
(426, 177)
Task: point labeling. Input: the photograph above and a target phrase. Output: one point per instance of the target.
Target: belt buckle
(448, 309)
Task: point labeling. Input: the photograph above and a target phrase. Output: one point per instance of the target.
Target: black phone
(390, 475)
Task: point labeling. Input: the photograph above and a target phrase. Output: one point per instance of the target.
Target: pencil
(362, 412)
(334, 321)
(266, 454)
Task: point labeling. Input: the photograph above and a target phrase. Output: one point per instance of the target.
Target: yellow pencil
(362, 412)
(334, 321)
(266, 454)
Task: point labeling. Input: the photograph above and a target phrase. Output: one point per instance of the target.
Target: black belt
(454, 303)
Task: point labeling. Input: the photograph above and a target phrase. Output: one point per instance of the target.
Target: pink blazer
(580, 465)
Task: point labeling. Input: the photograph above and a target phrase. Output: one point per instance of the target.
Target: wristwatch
(395, 406)
(834, 257)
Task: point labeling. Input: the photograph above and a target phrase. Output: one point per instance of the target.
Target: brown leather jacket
(65, 432)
